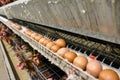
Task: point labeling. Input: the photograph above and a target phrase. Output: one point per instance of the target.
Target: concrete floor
(3, 69)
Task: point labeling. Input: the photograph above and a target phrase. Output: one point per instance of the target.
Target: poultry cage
(90, 29)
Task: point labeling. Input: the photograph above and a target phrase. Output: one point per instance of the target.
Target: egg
(94, 68)
(13, 24)
(9, 22)
(38, 37)
(50, 44)
(62, 51)
(33, 35)
(46, 41)
(29, 33)
(18, 27)
(70, 56)
(60, 42)
(108, 74)
(81, 62)
(42, 40)
(26, 31)
(55, 48)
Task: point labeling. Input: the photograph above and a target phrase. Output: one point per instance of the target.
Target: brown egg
(60, 42)
(26, 31)
(33, 35)
(29, 33)
(62, 51)
(38, 37)
(94, 68)
(42, 40)
(81, 62)
(55, 48)
(108, 74)
(13, 24)
(46, 41)
(50, 44)
(70, 56)
(18, 27)
(9, 22)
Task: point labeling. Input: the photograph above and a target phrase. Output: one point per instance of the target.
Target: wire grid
(103, 53)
